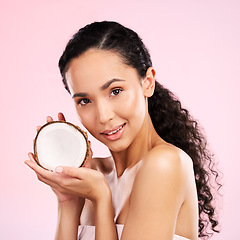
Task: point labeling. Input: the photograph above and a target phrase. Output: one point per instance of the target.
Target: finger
(87, 163)
(38, 128)
(79, 173)
(49, 119)
(89, 143)
(47, 181)
(52, 179)
(32, 157)
(43, 175)
(61, 117)
(32, 163)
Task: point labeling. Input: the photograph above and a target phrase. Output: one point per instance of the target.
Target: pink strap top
(88, 233)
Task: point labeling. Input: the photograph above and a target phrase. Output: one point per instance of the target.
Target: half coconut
(60, 144)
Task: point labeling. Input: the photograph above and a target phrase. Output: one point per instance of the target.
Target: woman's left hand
(82, 182)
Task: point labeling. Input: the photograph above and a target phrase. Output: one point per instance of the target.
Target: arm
(68, 219)
(104, 217)
(158, 192)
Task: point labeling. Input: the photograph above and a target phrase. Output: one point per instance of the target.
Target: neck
(143, 143)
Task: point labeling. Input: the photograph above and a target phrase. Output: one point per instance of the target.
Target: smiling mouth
(114, 131)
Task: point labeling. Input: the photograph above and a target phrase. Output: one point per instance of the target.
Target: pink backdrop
(195, 50)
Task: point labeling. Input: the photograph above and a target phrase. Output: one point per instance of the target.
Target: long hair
(172, 122)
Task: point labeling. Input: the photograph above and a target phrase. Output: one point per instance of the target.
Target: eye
(83, 101)
(116, 91)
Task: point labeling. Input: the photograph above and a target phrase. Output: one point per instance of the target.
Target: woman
(155, 184)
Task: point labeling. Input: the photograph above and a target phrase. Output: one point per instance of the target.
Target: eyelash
(116, 89)
(83, 99)
(88, 101)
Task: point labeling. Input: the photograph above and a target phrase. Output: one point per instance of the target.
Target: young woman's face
(108, 96)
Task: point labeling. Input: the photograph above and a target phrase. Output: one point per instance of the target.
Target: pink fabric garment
(88, 233)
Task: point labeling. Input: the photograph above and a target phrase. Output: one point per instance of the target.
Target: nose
(104, 112)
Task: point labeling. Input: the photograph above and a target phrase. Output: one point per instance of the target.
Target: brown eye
(116, 91)
(83, 101)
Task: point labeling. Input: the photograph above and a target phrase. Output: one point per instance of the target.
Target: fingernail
(59, 170)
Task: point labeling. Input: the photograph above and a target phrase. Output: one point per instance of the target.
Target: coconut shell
(72, 125)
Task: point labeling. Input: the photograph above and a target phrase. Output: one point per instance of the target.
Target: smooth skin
(162, 202)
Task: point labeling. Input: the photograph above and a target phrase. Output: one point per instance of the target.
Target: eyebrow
(103, 87)
(107, 84)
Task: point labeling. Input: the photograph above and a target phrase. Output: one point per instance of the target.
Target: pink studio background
(195, 50)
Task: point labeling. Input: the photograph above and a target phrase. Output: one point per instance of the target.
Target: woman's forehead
(98, 65)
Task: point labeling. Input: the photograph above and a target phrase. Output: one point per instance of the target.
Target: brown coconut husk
(71, 124)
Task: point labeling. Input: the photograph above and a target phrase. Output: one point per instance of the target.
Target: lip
(114, 136)
(112, 129)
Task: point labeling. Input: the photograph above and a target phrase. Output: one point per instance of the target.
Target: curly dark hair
(172, 122)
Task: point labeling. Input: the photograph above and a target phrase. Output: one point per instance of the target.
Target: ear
(149, 82)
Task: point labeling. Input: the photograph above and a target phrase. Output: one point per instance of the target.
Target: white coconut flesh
(60, 144)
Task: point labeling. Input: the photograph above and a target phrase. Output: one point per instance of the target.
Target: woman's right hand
(62, 197)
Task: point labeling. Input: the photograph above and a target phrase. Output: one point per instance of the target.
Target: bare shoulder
(168, 168)
(167, 159)
(104, 165)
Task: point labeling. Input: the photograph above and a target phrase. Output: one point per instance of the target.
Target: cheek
(134, 106)
(86, 118)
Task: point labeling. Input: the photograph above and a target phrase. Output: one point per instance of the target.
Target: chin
(117, 147)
